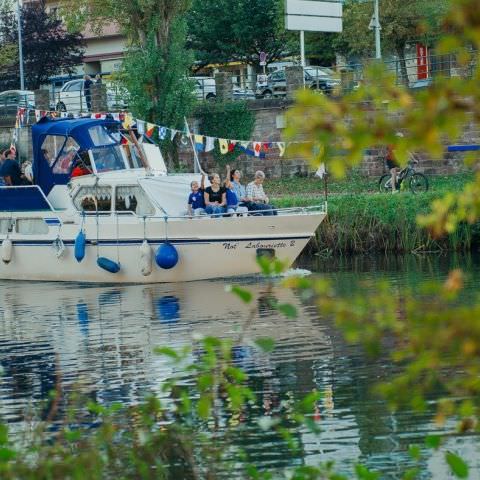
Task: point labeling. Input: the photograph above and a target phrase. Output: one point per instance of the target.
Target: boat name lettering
(270, 245)
(230, 245)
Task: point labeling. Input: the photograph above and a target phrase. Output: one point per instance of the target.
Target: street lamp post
(20, 47)
(378, 50)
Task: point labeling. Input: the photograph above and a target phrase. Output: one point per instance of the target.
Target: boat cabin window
(108, 158)
(100, 136)
(51, 147)
(31, 226)
(93, 199)
(6, 225)
(67, 156)
(133, 199)
(133, 159)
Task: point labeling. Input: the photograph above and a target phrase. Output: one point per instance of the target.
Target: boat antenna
(197, 166)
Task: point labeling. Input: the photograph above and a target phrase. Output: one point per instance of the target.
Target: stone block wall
(269, 126)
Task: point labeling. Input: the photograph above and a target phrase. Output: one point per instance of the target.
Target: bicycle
(417, 182)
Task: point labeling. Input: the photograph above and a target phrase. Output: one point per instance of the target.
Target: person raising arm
(215, 197)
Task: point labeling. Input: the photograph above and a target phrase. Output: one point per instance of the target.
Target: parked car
(205, 89)
(276, 84)
(14, 99)
(422, 83)
(71, 97)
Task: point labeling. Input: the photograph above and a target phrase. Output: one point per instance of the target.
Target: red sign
(422, 62)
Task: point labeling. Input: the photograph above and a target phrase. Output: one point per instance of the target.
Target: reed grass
(371, 223)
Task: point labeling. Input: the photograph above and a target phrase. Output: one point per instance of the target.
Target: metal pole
(20, 47)
(378, 50)
(302, 48)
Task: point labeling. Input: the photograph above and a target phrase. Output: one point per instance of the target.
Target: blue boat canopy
(56, 143)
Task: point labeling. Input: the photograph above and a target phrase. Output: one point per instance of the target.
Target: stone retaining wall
(269, 126)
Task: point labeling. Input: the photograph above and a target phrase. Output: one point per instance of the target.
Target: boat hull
(220, 248)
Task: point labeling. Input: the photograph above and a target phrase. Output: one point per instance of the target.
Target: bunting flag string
(202, 142)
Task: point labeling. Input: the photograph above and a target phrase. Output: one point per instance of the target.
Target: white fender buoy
(58, 247)
(7, 250)
(146, 259)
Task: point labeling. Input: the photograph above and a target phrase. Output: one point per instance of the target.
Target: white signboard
(313, 16)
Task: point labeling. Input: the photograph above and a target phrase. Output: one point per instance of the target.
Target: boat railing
(321, 208)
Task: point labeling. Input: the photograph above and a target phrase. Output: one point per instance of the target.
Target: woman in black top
(215, 197)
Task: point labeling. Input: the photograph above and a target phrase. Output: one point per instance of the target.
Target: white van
(71, 98)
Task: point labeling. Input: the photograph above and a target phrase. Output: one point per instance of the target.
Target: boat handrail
(321, 208)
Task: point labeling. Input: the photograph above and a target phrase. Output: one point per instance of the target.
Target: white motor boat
(126, 221)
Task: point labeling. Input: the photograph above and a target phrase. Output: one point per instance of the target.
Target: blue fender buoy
(166, 256)
(108, 265)
(80, 243)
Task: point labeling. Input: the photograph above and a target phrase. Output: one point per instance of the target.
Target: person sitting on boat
(83, 165)
(237, 199)
(215, 197)
(196, 199)
(10, 170)
(260, 201)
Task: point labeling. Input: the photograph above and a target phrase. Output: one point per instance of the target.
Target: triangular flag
(223, 143)
(127, 123)
(210, 144)
(257, 148)
(37, 115)
(116, 116)
(231, 146)
(199, 143)
(150, 129)
(140, 127)
(162, 133)
(173, 134)
(282, 148)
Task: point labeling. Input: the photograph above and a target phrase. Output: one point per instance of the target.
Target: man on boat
(10, 169)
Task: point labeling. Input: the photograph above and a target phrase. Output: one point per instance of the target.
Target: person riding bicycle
(392, 165)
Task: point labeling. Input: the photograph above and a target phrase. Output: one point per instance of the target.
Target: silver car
(14, 99)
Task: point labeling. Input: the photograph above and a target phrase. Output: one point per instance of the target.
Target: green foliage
(156, 80)
(244, 295)
(458, 466)
(221, 31)
(402, 21)
(226, 120)
(48, 49)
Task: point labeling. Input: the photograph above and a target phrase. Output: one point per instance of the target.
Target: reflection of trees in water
(29, 373)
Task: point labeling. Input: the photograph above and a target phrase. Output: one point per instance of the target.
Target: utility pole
(302, 48)
(378, 50)
(20, 47)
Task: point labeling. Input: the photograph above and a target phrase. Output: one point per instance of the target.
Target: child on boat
(196, 200)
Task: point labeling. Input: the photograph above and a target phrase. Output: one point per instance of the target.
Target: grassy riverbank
(361, 220)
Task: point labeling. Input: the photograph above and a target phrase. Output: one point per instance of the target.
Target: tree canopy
(48, 49)
(228, 30)
(402, 21)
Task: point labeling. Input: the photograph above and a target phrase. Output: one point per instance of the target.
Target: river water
(101, 340)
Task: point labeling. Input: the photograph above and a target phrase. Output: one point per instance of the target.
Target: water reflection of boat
(103, 337)
(92, 228)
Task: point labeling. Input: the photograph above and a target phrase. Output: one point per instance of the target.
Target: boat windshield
(100, 136)
(107, 159)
